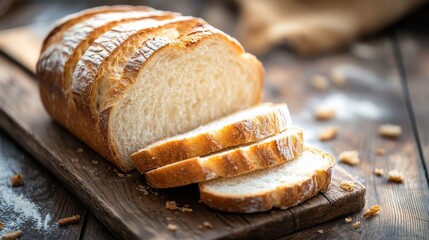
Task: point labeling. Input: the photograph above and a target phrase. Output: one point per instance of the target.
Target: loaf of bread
(269, 152)
(283, 186)
(243, 127)
(122, 77)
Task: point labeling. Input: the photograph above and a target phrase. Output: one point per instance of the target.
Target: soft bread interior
(267, 180)
(181, 88)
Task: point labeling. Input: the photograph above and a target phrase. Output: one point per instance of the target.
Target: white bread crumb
(350, 157)
(94, 161)
(338, 78)
(168, 219)
(324, 113)
(356, 225)
(319, 82)
(186, 209)
(172, 227)
(379, 171)
(374, 210)
(328, 133)
(380, 151)
(395, 176)
(390, 131)
(347, 185)
(348, 219)
(320, 231)
(171, 205)
(207, 225)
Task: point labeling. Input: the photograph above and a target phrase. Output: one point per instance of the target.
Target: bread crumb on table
(380, 151)
(348, 219)
(17, 180)
(207, 225)
(94, 161)
(1, 225)
(120, 174)
(374, 210)
(347, 185)
(69, 220)
(320, 231)
(186, 209)
(143, 189)
(319, 82)
(338, 78)
(395, 176)
(328, 133)
(169, 219)
(172, 227)
(379, 171)
(356, 225)
(324, 113)
(350, 157)
(12, 235)
(80, 150)
(171, 205)
(390, 130)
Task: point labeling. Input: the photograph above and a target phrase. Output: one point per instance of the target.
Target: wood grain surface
(115, 197)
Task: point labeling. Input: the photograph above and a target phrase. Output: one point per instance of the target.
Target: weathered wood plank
(372, 96)
(414, 49)
(34, 207)
(95, 230)
(114, 199)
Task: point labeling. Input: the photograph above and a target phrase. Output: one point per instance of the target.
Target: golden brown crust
(238, 161)
(246, 131)
(70, 20)
(282, 197)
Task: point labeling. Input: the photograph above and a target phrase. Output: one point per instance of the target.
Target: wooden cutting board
(124, 203)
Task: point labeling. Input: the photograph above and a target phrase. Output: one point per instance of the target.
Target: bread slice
(266, 153)
(69, 21)
(283, 186)
(243, 127)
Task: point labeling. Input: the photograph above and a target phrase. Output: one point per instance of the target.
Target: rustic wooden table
(387, 82)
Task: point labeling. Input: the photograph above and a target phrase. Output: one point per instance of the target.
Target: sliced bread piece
(283, 186)
(266, 153)
(239, 128)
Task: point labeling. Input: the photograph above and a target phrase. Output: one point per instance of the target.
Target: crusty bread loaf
(283, 186)
(243, 127)
(146, 80)
(67, 22)
(266, 153)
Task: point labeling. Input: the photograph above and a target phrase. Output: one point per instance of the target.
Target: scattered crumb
(75, 160)
(172, 227)
(338, 78)
(328, 133)
(68, 220)
(1, 225)
(143, 189)
(120, 174)
(17, 180)
(374, 210)
(12, 235)
(207, 225)
(379, 171)
(324, 113)
(395, 176)
(348, 219)
(356, 225)
(350, 157)
(390, 131)
(347, 185)
(168, 219)
(320, 231)
(80, 150)
(94, 162)
(319, 82)
(186, 209)
(200, 226)
(380, 151)
(171, 205)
